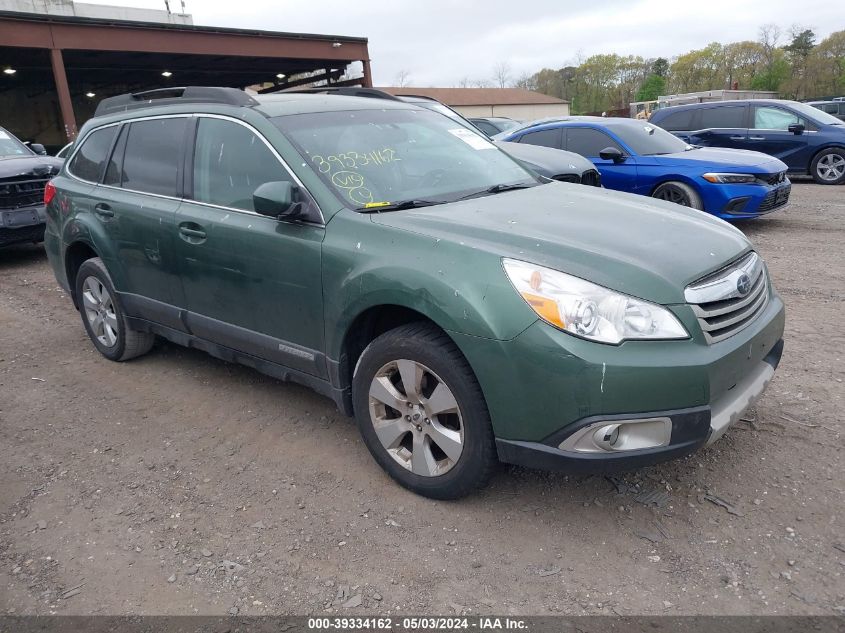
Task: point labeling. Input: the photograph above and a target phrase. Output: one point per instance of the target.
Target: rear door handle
(757, 138)
(737, 138)
(103, 210)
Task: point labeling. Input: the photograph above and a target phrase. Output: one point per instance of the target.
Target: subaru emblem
(743, 285)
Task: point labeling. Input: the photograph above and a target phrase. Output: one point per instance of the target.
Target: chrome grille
(718, 300)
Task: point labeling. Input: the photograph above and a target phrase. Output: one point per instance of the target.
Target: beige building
(515, 103)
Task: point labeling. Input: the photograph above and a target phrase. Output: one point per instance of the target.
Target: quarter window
(153, 155)
(729, 117)
(774, 118)
(588, 142)
(544, 138)
(230, 163)
(89, 161)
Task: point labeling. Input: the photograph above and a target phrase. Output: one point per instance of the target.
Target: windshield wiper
(398, 206)
(498, 189)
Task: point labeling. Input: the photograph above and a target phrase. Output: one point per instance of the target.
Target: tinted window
(588, 142)
(152, 158)
(545, 138)
(89, 160)
(114, 170)
(488, 128)
(230, 163)
(725, 117)
(678, 121)
(10, 146)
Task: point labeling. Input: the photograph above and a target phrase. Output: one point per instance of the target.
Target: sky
(441, 43)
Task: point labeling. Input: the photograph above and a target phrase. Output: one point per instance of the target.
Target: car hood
(716, 158)
(640, 246)
(41, 166)
(547, 161)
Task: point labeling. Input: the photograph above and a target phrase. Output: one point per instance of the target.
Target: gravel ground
(179, 484)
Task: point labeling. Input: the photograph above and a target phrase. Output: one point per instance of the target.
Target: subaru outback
(463, 310)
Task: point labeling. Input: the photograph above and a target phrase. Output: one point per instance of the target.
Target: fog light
(619, 435)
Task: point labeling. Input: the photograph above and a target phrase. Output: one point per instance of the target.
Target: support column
(63, 91)
(368, 74)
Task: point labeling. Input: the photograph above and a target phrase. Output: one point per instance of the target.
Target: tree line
(792, 63)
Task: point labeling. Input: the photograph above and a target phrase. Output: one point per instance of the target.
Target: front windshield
(372, 158)
(10, 146)
(648, 140)
(814, 114)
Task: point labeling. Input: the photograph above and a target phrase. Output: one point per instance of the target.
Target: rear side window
(589, 142)
(678, 121)
(90, 159)
(153, 156)
(723, 117)
(545, 138)
(230, 163)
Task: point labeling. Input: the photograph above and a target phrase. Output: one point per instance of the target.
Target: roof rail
(347, 91)
(173, 96)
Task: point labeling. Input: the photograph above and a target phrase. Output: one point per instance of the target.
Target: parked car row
(464, 309)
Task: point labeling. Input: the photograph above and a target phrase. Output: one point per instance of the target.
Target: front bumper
(690, 430)
(743, 202)
(22, 225)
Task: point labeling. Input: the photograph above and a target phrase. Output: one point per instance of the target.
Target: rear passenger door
(251, 282)
(720, 126)
(589, 142)
(136, 205)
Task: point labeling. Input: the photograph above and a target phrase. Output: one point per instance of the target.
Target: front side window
(10, 146)
(588, 142)
(544, 138)
(378, 156)
(724, 117)
(89, 160)
(153, 155)
(766, 118)
(230, 163)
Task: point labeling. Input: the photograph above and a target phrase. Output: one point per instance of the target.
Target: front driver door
(251, 282)
(770, 134)
(589, 142)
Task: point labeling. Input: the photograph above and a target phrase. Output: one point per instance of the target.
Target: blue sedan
(639, 157)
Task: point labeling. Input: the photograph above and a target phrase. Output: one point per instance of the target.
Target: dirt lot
(179, 484)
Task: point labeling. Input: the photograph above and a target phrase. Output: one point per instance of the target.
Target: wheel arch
(77, 253)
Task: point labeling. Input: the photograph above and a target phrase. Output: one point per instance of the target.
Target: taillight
(49, 192)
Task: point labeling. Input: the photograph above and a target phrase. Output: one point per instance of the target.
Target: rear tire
(421, 413)
(103, 316)
(679, 193)
(828, 166)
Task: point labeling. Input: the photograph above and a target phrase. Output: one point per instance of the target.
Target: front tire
(422, 414)
(828, 166)
(679, 193)
(103, 316)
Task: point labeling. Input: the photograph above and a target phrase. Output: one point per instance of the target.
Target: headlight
(587, 310)
(730, 179)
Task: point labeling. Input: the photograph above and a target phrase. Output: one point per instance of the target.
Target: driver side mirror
(277, 199)
(612, 153)
(796, 128)
(38, 148)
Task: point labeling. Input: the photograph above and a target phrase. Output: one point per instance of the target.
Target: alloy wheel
(672, 194)
(99, 310)
(416, 418)
(831, 167)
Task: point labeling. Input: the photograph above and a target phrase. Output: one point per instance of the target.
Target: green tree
(652, 87)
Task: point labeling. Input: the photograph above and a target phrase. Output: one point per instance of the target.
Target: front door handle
(103, 210)
(737, 138)
(757, 138)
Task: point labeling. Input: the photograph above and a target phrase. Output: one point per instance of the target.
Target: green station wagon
(464, 310)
